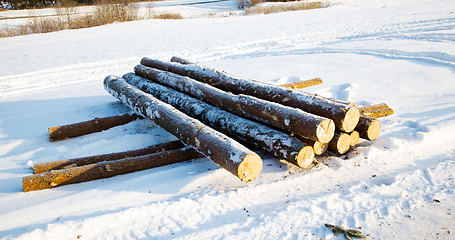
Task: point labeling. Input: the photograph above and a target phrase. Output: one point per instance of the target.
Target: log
(318, 147)
(355, 138)
(100, 170)
(250, 133)
(180, 60)
(283, 117)
(340, 143)
(226, 152)
(376, 110)
(75, 162)
(378, 113)
(345, 116)
(303, 84)
(368, 128)
(82, 128)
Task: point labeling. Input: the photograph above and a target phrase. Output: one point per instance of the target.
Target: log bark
(283, 117)
(250, 133)
(345, 116)
(303, 84)
(82, 128)
(318, 147)
(376, 110)
(368, 128)
(340, 143)
(181, 60)
(75, 162)
(100, 170)
(216, 146)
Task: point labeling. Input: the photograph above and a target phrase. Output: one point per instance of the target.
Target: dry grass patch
(67, 18)
(168, 16)
(266, 8)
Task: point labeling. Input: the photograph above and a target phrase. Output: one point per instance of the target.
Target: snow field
(400, 186)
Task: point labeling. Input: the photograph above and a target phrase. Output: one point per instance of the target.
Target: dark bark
(87, 127)
(283, 117)
(345, 116)
(216, 146)
(251, 133)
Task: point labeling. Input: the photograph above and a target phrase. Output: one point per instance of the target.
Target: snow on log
(216, 146)
(345, 116)
(253, 134)
(303, 84)
(82, 128)
(75, 162)
(283, 117)
(368, 128)
(100, 170)
(180, 60)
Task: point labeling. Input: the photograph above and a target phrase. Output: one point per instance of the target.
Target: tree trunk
(75, 162)
(221, 149)
(345, 116)
(303, 84)
(87, 127)
(340, 143)
(181, 60)
(368, 128)
(283, 117)
(99, 170)
(251, 133)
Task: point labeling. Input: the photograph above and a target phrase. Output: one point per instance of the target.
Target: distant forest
(24, 4)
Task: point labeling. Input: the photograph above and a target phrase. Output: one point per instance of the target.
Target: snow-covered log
(368, 128)
(283, 117)
(75, 162)
(345, 116)
(180, 60)
(107, 169)
(216, 146)
(252, 134)
(87, 127)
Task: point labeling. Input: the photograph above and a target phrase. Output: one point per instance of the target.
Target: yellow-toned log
(303, 84)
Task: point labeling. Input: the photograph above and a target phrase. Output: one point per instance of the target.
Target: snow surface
(400, 186)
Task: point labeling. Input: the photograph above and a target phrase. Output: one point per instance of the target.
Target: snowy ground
(367, 51)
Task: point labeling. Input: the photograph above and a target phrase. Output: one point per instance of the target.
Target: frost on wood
(251, 133)
(345, 116)
(277, 115)
(216, 146)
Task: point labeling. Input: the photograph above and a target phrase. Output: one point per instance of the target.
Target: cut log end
(320, 148)
(250, 168)
(325, 131)
(373, 130)
(350, 120)
(355, 137)
(340, 143)
(305, 157)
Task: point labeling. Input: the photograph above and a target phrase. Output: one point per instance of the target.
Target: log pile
(217, 116)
